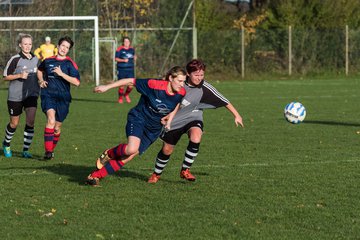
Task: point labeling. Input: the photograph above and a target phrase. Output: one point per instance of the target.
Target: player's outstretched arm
(120, 83)
(238, 118)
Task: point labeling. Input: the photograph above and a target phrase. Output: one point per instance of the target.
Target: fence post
(242, 52)
(290, 51)
(346, 50)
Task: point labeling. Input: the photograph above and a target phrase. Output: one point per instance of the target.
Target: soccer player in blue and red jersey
(55, 76)
(159, 99)
(125, 58)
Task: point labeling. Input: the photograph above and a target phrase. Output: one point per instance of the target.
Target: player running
(145, 122)
(24, 90)
(55, 76)
(189, 120)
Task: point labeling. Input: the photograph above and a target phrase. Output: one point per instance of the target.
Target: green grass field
(270, 180)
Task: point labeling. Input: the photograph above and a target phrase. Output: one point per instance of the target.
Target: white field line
(36, 172)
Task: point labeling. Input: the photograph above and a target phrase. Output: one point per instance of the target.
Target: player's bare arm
(22, 75)
(41, 81)
(170, 117)
(122, 60)
(120, 83)
(238, 118)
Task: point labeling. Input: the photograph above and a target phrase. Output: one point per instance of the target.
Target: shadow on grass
(94, 100)
(18, 154)
(334, 123)
(78, 173)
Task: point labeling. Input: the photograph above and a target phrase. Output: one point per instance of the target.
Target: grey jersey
(20, 89)
(196, 99)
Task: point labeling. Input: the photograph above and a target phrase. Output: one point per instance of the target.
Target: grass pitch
(270, 180)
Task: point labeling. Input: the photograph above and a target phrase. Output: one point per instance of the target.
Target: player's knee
(51, 121)
(196, 138)
(13, 124)
(167, 149)
(131, 150)
(57, 130)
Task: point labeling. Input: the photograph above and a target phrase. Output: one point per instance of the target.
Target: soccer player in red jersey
(159, 99)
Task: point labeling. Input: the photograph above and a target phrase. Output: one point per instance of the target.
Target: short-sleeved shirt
(125, 53)
(57, 84)
(20, 89)
(144, 120)
(197, 98)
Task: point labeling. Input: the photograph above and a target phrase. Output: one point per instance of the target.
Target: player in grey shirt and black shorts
(23, 93)
(189, 120)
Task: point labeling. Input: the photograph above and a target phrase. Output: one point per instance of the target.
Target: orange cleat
(154, 178)
(102, 160)
(186, 174)
(128, 100)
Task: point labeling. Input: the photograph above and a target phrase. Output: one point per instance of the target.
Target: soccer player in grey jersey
(23, 93)
(189, 119)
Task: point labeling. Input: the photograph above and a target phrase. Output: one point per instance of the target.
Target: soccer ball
(294, 112)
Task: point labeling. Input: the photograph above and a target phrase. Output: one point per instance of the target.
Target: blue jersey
(144, 120)
(56, 83)
(125, 53)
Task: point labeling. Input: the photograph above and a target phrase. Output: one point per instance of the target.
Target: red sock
(128, 90)
(49, 139)
(118, 152)
(56, 139)
(121, 91)
(109, 168)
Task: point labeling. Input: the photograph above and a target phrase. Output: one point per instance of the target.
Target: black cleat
(92, 181)
(49, 155)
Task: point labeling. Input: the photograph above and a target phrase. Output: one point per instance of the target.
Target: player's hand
(164, 120)
(100, 89)
(43, 84)
(24, 75)
(58, 71)
(238, 121)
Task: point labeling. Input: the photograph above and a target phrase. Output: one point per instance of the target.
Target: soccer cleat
(154, 178)
(26, 154)
(102, 160)
(92, 181)
(120, 100)
(49, 156)
(128, 100)
(7, 151)
(186, 174)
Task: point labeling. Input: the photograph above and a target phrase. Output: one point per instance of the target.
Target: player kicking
(189, 120)
(55, 76)
(159, 98)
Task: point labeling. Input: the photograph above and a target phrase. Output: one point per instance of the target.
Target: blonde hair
(174, 72)
(21, 36)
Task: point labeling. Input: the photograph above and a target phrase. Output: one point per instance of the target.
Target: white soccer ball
(294, 112)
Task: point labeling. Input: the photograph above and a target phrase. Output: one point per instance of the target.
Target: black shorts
(173, 136)
(15, 108)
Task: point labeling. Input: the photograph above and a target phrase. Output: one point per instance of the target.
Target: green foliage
(315, 13)
(269, 180)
